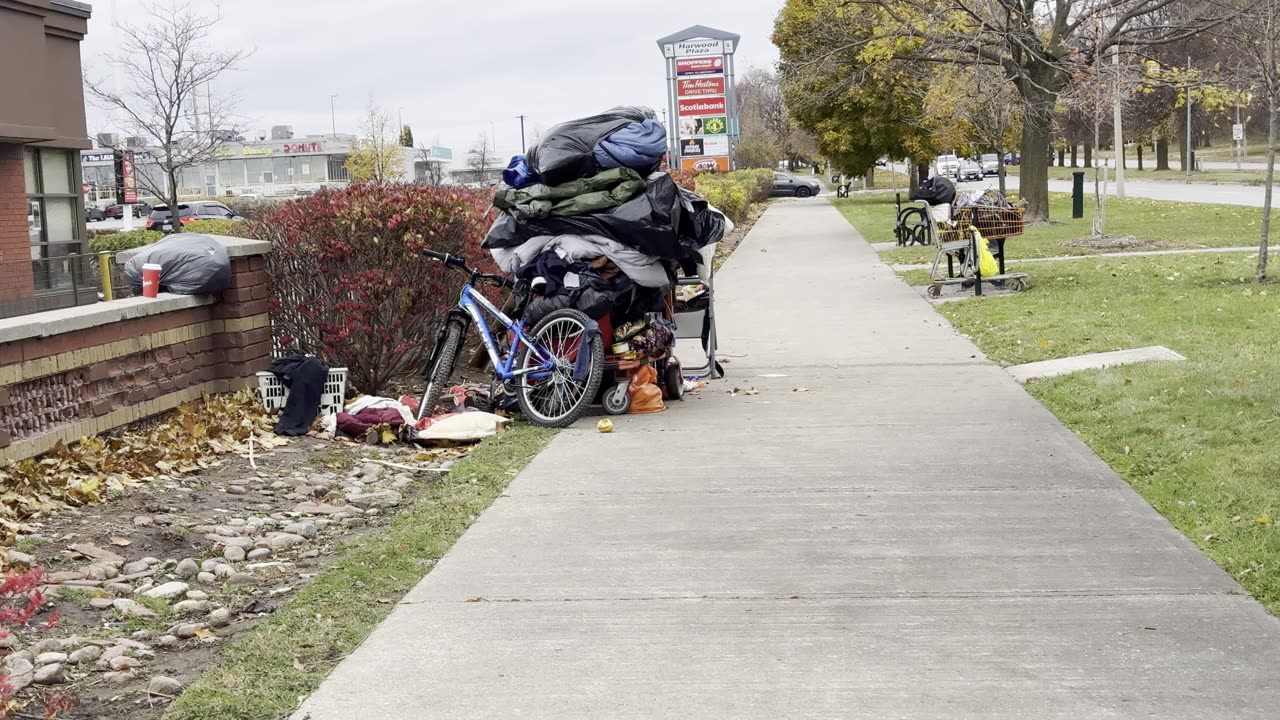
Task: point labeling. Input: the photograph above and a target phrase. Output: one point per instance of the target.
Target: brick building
(42, 130)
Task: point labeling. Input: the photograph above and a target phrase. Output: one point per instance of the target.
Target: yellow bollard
(104, 273)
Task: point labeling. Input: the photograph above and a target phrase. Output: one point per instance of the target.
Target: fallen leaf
(206, 635)
(1126, 450)
(1263, 518)
(1128, 381)
(801, 390)
(297, 665)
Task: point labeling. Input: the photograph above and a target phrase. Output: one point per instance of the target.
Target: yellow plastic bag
(987, 264)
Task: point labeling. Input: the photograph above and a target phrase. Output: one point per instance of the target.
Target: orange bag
(646, 396)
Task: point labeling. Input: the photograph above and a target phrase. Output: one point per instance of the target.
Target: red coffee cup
(150, 280)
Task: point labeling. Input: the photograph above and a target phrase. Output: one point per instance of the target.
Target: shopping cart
(957, 240)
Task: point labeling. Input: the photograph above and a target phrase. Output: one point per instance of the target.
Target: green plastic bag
(987, 264)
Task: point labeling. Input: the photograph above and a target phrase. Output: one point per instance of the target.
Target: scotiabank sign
(700, 66)
(695, 87)
(690, 107)
(310, 147)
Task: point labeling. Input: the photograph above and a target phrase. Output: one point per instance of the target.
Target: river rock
(207, 578)
(20, 671)
(220, 618)
(167, 641)
(305, 529)
(197, 595)
(187, 569)
(49, 675)
(239, 541)
(191, 606)
(286, 540)
(233, 553)
(88, 653)
(124, 662)
(259, 553)
(165, 686)
(49, 658)
(168, 591)
(19, 558)
(118, 678)
(241, 579)
(47, 645)
(137, 566)
(101, 603)
(132, 608)
(375, 499)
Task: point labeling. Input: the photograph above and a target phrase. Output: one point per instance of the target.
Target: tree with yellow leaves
(378, 156)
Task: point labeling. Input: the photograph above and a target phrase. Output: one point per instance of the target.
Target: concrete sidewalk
(890, 528)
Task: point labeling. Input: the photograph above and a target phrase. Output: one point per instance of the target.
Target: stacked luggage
(588, 221)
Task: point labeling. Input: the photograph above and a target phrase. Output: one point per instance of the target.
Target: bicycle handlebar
(461, 264)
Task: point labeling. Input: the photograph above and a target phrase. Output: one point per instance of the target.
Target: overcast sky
(456, 67)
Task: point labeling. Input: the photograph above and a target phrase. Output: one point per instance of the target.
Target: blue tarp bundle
(638, 146)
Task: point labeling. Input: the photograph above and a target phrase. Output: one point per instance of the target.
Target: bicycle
(555, 381)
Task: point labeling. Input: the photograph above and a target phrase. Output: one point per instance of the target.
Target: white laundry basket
(274, 393)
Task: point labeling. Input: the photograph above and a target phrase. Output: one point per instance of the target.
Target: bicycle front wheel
(561, 371)
(444, 358)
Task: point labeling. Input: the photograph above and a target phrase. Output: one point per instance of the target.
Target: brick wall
(16, 281)
(93, 369)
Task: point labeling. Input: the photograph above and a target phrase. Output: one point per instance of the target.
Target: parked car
(948, 165)
(882, 163)
(1012, 158)
(990, 164)
(140, 209)
(785, 185)
(93, 214)
(969, 170)
(162, 217)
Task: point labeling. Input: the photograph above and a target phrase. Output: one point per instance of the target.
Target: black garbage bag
(705, 225)
(567, 151)
(936, 190)
(656, 222)
(190, 264)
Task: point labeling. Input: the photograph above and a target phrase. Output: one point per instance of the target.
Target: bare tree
(766, 123)
(433, 169)
(1256, 37)
(165, 67)
(378, 157)
(481, 156)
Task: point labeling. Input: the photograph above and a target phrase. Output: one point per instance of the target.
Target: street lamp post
(333, 118)
(523, 149)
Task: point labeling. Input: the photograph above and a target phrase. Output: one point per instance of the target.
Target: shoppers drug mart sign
(700, 66)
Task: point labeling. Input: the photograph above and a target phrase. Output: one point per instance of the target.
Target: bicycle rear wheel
(555, 390)
(443, 358)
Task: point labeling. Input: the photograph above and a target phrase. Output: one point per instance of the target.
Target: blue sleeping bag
(639, 146)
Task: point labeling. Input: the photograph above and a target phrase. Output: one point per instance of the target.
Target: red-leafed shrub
(686, 179)
(20, 601)
(349, 281)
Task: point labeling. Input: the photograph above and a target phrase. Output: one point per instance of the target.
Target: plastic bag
(190, 264)
(567, 151)
(987, 264)
(646, 396)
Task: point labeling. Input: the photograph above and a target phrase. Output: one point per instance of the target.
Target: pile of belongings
(382, 421)
(588, 221)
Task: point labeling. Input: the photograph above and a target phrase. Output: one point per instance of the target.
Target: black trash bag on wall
(567, 151)
(190, 264)
(655, 222)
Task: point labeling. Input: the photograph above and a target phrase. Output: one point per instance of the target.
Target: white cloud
(457, 68)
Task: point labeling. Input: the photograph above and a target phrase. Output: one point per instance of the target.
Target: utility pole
(1186, 152)
(522, 147)
(333, 118)
(400, 116)
(1116, 113)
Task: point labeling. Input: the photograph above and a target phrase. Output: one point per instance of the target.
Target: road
(879, 524)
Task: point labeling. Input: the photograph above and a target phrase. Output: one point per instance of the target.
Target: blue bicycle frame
(475, 304)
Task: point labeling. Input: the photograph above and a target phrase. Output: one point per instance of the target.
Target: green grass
(1196, 439)
(284, 658)
(28, 543)
(1158, 224)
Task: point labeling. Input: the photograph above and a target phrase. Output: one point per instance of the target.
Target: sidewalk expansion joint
(835, 597)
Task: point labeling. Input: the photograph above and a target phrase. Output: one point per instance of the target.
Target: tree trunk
(1162, 153)
(1264, 240)
(174, 214)
(1034, 174)
(1088, 155)
(1062, 157)
(869, 179)
(1074, 161)
(1139, 157)
(1000, 169)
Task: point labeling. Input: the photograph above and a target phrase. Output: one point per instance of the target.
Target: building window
(54, 223)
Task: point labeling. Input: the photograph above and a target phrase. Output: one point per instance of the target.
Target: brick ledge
(56, 322)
